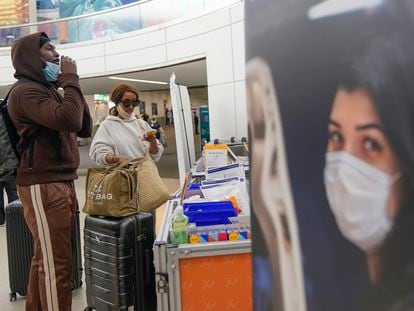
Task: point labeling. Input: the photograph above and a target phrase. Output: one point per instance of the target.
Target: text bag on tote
(111, 191)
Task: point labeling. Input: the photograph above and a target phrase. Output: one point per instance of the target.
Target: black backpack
(11, 130)
(10, 157)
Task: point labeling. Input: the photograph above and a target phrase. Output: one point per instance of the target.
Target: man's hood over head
(26, 60)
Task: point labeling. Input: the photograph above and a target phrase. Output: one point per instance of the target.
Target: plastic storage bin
(209, 213)
(193, 190)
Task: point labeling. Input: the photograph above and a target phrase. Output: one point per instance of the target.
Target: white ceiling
(190, 74)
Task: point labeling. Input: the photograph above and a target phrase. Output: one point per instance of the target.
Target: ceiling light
(335, 7)
(137, 80)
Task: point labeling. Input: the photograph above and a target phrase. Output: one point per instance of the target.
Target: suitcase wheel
(13, 296)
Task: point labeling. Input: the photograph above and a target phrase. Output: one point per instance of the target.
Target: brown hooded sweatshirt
(46, 122)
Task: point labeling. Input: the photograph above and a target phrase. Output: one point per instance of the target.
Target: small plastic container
(193, 234)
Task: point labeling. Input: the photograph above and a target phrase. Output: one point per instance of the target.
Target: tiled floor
(78, 296)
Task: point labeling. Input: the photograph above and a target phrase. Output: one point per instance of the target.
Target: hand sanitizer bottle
(180, 227)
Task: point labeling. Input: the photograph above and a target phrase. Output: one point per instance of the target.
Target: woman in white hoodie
(121, 136)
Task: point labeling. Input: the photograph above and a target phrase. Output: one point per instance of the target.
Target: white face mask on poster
(358, 195)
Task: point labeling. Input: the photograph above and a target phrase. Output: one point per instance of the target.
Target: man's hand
(68, 65)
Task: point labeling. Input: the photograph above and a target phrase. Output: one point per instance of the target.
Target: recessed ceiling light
(137, 80)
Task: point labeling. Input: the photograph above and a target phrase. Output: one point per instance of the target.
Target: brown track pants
(49, 210)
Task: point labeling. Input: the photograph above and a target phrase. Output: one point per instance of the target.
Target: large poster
(98, 26)
(13, 12)
(331, 122)
(70, 8)
(47, 10)
(50, 9)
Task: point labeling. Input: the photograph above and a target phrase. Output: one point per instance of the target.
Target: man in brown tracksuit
(48, 125)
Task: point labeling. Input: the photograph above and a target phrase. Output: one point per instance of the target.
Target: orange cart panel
(216, 283)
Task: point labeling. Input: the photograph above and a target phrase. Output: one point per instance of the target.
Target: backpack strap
(17, 83)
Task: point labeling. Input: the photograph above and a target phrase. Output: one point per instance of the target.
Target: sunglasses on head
(128, 103)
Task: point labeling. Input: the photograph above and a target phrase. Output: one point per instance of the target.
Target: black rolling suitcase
(119, 269)
(20, 251)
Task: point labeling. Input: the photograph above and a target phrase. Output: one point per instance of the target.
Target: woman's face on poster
(355, 127)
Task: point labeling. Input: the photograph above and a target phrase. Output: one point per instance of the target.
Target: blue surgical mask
(51, 71)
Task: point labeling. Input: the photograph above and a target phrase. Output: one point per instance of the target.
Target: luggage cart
(207, 276)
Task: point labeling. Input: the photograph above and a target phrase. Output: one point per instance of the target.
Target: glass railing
(111, 22)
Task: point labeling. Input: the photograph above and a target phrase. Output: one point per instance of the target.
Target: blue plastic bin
(193, 186)
(209, 213)
(192, 190)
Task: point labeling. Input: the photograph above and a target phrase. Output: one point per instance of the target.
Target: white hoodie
(121, 137)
